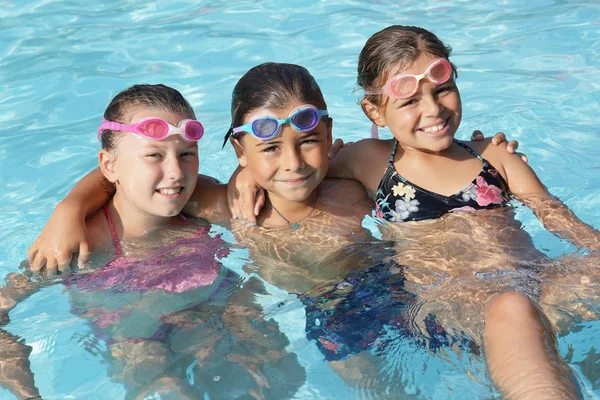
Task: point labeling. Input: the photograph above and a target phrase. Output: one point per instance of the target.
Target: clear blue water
(530, 70)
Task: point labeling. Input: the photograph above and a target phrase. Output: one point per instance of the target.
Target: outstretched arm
(66, 233)
(556, 216)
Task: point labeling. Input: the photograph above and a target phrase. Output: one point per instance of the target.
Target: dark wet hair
(160, 97)
(272, 86)
(394, 47)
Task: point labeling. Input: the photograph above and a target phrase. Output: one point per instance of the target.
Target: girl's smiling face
(154, 178)
(426, 121)
(291, 165)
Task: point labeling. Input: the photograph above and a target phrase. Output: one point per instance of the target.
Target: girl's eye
(154, 155)
(445, 88)
(408, 103)
(270, 149)
(310, 141)
(188, 154)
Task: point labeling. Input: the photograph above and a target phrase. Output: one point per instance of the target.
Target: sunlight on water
(528, 69)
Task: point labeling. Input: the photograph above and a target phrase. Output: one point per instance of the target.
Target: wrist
(72, 208)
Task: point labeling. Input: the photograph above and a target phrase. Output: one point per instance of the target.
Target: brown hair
(394, 47)
(272, 86)
(152, 96)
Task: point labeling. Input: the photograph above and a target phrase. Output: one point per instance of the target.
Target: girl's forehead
(279, 113)
(415, 67)
(139, 113)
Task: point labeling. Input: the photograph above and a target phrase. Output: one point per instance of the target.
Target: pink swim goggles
(157, 128)
(402, 86)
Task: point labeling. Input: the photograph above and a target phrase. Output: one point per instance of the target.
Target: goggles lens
(154, 128)
(305, 120)
(265, 127)
(193, 130)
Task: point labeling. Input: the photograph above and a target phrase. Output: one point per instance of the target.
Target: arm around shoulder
(208, 201)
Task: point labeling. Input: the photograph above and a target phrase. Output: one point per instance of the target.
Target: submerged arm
(15, 368)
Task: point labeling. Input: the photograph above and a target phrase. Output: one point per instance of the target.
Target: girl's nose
(173, 168)
(292, 160)
(432, 105)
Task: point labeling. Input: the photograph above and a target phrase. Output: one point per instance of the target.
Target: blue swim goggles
(302, 119)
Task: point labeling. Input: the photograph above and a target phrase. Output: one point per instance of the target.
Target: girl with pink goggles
(157, 129)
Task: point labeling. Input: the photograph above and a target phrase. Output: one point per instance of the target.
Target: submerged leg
(521, 351)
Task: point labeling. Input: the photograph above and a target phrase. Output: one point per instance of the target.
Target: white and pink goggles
(402, 86)
(157, 128)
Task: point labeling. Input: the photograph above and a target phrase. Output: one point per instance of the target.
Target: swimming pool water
(529, 69)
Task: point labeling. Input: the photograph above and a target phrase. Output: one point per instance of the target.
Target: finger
(512, 146)
(477, 135)
(260, 201)
(51, 267)
(84, 254)
(38, 262)
(523, 157)
(63, 261)
(32, 251)
(499, 138)
(231, 204)
(337, 144)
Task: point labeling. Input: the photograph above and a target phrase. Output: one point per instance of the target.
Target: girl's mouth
(295, 181)
(170, 192)
(435, 130)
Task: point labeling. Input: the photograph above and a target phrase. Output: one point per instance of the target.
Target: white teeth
(169, 191)
(436, 128)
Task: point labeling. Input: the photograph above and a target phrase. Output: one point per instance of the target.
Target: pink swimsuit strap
(184, 219)
(113, 232)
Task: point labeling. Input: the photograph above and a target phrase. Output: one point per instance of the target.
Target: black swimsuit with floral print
(399, 200)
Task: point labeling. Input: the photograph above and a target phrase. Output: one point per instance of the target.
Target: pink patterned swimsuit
(399, 200)
(135, 293)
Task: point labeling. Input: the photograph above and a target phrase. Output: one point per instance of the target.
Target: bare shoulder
(496, 155)
(370, 166)
(518, 174)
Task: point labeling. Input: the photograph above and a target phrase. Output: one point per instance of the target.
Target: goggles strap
(227, 135)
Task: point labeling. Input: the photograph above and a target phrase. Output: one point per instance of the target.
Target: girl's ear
(106, 159)
(239, 152)
(375, 113)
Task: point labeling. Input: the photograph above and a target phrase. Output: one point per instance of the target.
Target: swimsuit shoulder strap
(393, 154)
(184, 219)
(113, 232)
(470, 150)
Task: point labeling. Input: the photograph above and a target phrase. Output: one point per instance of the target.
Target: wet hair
(395, 47)
(272, 86)
(160, 97)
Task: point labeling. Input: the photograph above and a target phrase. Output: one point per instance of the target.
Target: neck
(131, 220)
(281, 210)
(417, 153)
